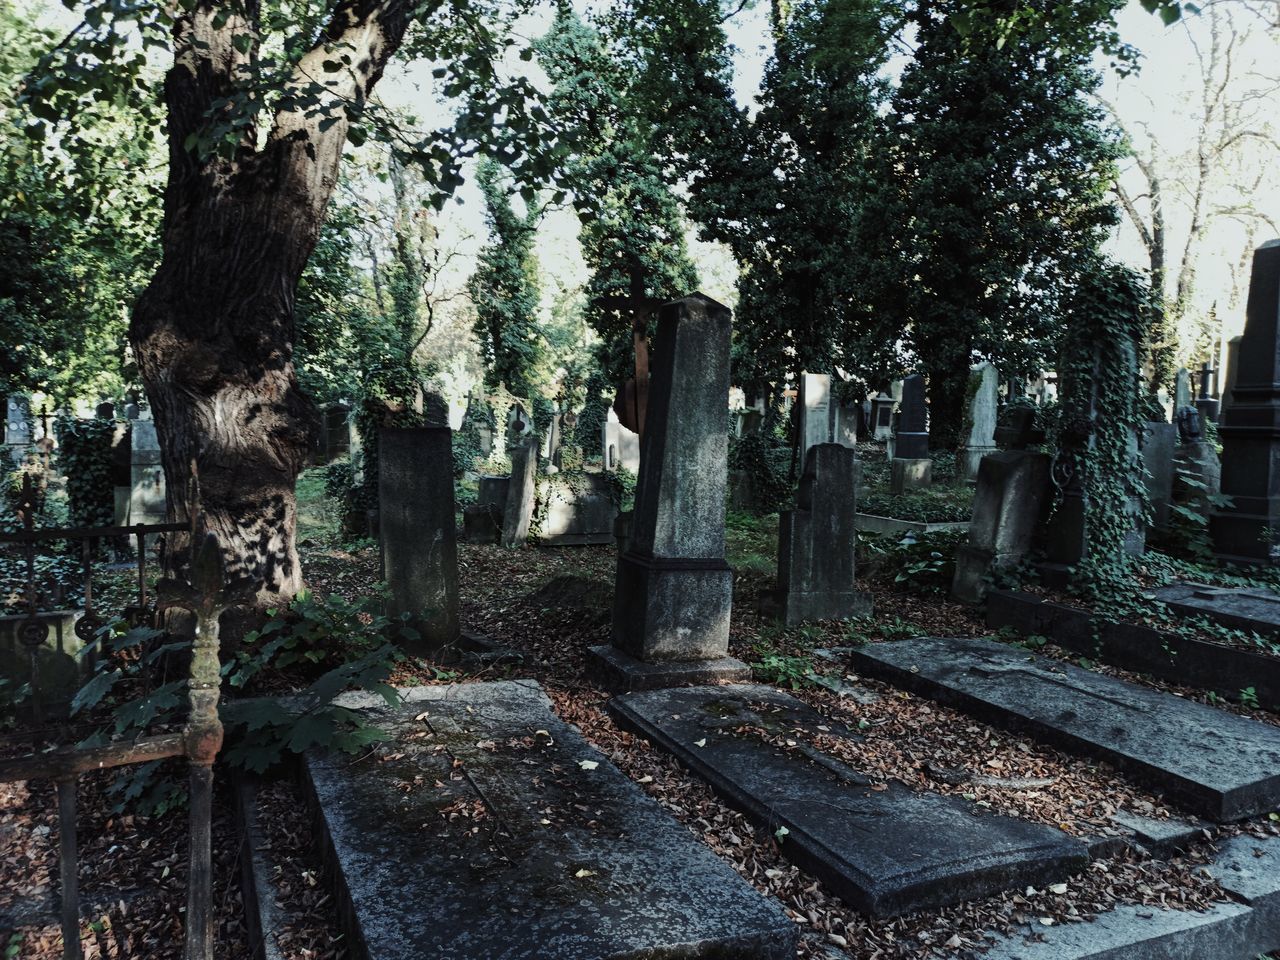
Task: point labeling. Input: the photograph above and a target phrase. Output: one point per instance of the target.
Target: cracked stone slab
(1216, 764)
(485, 828)
(884, 848)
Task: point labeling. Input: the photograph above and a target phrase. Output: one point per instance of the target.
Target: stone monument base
(672, 609)
(910, 474)
(623, 672)
(797, 607)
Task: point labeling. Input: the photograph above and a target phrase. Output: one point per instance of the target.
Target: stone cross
(674, 589)
(633, 395)
(1248, 529)
(502, 401)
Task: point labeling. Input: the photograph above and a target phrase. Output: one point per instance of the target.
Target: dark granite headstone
(1216, 764)
(886, 849)
(417, 532)
(912, 438)
(816, 541)
(674, 588)
(1249, 529)
(482, 520)
(486, 828)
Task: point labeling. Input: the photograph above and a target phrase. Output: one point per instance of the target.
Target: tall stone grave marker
(1206, 402)
(816, 413)
(981, 410)
(147, 496)
(882, 417)
(674, 589)
(417, 534)
(1229, 375)
(1008, 505)
(1249, 529)
(521, 493)
(911, 467)
(816, 541)
(1183, 395)
(1158, 441)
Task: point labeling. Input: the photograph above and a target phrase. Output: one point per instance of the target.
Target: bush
(926, 561)
(921, 506)
(84, 455)
(767, 465)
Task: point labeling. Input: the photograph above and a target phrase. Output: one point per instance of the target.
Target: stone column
(911, 467)
(674, 589)
(1249, 529)
(981, 409)
(816, 542)
(417, 533)
(1229, 375)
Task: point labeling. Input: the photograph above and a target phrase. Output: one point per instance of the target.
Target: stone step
(485, 828)
(1249, 871)
(884, 848)
(1217, 765)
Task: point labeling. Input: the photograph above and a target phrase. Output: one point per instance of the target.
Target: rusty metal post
(69, 868)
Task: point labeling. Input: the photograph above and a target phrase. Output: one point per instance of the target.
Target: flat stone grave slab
(1216, 764)
(1248, 869)
(1253, 609)
(885, 848)
(488, 829)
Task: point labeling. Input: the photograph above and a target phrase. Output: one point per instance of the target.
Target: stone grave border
(1166, 656)
(871, 523)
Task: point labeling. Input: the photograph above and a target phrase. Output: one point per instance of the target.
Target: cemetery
(678, 480)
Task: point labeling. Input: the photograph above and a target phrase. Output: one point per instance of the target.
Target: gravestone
(885, 848)
(1215, 764)
(337, 432)
(1197, 459)
(505, 408)
(1158, 440)
(106, 410)
(882, 417)
(674, 588)
(817, 540)
(911, 468)
(580, 513)
(1206, 402)
(518, 513)
(147, 502)
(556, 853)
(816, 411)
(417, 532)
(1183, 395)
(1229, 377)
(981, 410)
(17, 420)
(1249, 529)
(1009, 504)
(621, 445)
(482, 520)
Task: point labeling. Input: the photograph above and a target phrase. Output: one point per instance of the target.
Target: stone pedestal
(674, 589)
(907, 474)
(1249, 529)
(416, 532)
(816, 542)
(1008, 505)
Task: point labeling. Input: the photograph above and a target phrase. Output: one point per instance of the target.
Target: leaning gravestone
(484, 827)
(1249, 529)
(518, 513)
(417, 532)
(1008, 505)
(884, 848)
(981, 410)
(817, 540)
(911, 467)
(674, 589)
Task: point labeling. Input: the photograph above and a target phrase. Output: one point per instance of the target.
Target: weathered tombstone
(1158, 441)
(1009, 504)
(1183, 396)
(482, 520)
(518, 513)
(121, 471)
(17, 420)
(848, 423)
(1197, 458)
(551, 444)
(147, 497)
(578, 514)
(981, 410)
(1249, 529)
(882, 417)
(416, 532)
(1206, 402)
(911, 467)
(816, 413)
(674, 589)
(621, 446)
(749, 422)
(106, 410)
(1229, 376)
(816, 542)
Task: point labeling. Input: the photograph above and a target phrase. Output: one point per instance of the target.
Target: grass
(751, 543)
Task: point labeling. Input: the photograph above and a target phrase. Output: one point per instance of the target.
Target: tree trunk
(947, 386)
